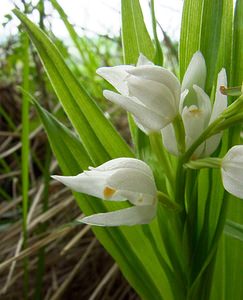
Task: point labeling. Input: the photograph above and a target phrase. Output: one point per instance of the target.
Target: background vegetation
(62, 261)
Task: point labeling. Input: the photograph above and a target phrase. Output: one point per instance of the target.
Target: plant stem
(179, 133)
(157, 147)
(25, 154)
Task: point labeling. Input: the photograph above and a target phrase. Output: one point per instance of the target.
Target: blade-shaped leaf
(98, 136)
(135, 40)
(234, 247)
(135, 37)
(234, 230)
(207, 26)
(190, 32)
(128, 246)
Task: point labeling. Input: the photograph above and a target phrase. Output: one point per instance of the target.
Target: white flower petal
(153, 95)
(204, 102)
(142, 61)
(211, 144)
(220, 102)
(125, 162)
(232, 185)
(132, 181)
(194, 121)
(235, 154)
(169, 139)
(195, 73)
(91, 183)
(86, 182)
(149, 119)
(138, 199)
(182, 100)
(116, 76)
(140, 126)
(160, 75)
(232, 171)
(128, 216)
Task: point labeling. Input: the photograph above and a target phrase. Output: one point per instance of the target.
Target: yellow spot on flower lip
(108, 192)
(194, 110)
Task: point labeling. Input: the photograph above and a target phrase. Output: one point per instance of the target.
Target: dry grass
(75, 263)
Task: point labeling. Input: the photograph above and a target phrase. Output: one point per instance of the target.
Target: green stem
(173, 277)
(205, 135)
(180, 182)
(234, 120)
(158, 60)
(214, 127)
(162, 157)
(167, 202)
(179, 133)
(213, 249)
(209, 162)
(25, 155)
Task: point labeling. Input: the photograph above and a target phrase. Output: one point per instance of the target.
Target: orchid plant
(167, 209)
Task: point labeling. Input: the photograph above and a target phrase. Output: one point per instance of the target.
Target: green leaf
(136, 40)
(129, 247)
(234, 230)
(98, 136)
(237, 62)
(190, 32)
(158, 59)
(234, 247)
(87, 56)
(100, 142)
(228, 272)
(211, 20)
(207, 26)
(135, 37)
(225, 46)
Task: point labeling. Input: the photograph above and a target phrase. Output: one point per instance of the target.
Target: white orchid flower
(118, 180)
(151, 93)
(232, 171)
(196, 109)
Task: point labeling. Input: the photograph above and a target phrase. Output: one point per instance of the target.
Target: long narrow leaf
(98, 135)
(234, 230)
(135, 37)
(72, 158)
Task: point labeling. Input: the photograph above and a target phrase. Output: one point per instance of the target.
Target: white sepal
(195, 73)
(150, 93)
(160, 75)
(127, 216)
(116, 76)
(149, 119)
(143, 61)
(169, 139)
(220, 102)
